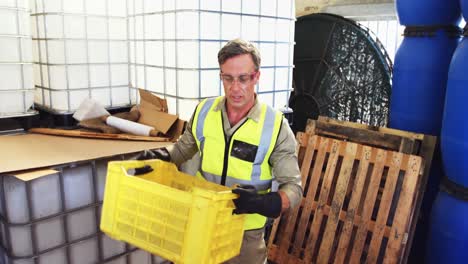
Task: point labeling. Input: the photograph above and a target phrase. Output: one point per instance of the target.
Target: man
(245, 143)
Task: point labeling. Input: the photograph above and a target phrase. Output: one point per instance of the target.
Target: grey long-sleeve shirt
(283, 159)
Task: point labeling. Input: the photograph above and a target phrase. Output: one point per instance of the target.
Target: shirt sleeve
(285, 165)
(185, 147)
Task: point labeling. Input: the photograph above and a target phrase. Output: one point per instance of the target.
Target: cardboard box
(153, 112)
(152, 102)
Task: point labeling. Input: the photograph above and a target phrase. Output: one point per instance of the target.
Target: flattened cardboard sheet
(33, 151)
(29, 175)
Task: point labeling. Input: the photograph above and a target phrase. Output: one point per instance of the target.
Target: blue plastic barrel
(428, 12)
(417, 105)
(448, 235)
(419, 82)
(454, 136)
(464, 8)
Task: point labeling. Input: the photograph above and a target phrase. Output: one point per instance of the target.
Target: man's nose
(236, 84)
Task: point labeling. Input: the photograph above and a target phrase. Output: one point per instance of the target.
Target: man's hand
(250, 202)
(160, 153)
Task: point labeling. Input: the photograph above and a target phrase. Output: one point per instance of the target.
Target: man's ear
(257, 76)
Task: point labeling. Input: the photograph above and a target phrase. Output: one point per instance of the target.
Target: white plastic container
(16, 82)
(56, 217)
(80, 51)
(87, 252)
(174, 46)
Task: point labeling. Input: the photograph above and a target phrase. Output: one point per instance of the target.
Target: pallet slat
(353, 206)
(399, 230)
(369, 202)
(324, 192)
(311, 192)
(288, 229)
(383, 130)
(337, 203)
(384, 209)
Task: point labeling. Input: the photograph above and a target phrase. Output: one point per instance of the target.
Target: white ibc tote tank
(174, 46)
(80, 50)
(16, 82)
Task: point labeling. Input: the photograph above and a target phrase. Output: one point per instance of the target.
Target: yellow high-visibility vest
(244, 158)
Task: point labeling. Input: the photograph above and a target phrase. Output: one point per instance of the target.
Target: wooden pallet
(387, 138)
(361, 189)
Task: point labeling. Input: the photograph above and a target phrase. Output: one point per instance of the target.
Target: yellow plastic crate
(171, 214)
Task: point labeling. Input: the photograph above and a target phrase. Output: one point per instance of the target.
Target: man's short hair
(237, 47)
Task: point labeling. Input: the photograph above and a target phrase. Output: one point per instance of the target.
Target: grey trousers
(253, 249)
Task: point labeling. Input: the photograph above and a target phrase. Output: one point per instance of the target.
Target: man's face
(239, 79)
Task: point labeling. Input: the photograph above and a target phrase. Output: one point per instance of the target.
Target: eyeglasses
(242, 79)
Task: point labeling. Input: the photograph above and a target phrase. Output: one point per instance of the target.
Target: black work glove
(160, 153)
(250, 202)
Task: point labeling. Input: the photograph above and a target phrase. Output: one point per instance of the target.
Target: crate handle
(142, 170)
(125, 166)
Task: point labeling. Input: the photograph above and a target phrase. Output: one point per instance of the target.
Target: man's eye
(243, 78)
(228, 78)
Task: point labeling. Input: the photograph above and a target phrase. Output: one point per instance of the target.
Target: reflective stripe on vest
(265, 141)
(201, 120)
